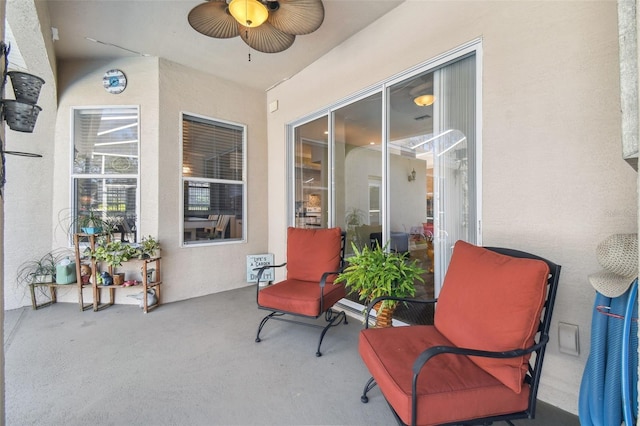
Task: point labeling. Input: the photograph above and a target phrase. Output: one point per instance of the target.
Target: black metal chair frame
(333, 318)
(535, 363)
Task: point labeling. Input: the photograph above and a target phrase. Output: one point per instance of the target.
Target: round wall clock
(114, 81)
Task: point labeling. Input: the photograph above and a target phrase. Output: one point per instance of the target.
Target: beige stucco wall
(29, 186)
(195, 271)
(553, 181)
(162, 90)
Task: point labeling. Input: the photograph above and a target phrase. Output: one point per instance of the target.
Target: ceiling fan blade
(213, 20)
(296, 16)
(266, 38)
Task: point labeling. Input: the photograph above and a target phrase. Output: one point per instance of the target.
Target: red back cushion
(312, 252)
(493, 302)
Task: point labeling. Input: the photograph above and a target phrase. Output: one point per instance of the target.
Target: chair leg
(263, 322)
(333, 318)
(370, 385)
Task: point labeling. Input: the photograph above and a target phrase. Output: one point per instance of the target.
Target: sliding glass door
(396, 165)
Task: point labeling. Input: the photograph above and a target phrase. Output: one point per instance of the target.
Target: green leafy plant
(113, 253)
(354, 217)
(375, 272)
(42, 269)
(93, 220)
(148, 247)
(86, 221)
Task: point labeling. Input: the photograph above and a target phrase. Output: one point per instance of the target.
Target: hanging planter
(20, 116)
(26, 86)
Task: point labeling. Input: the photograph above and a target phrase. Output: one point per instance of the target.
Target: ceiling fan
(268, 26)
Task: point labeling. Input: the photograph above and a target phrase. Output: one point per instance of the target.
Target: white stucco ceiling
(160, 28)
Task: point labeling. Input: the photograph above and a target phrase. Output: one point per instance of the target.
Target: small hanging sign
(255, 261)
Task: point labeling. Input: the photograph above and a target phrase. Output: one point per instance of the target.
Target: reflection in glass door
(358, 170)
(431, 149)
(311, 174)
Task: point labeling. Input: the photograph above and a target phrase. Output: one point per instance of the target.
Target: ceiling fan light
(250, 13)
(424, 100)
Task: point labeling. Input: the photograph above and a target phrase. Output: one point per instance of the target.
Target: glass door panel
(358, 169)
(311, 174)
(410, 118)
(454, 153)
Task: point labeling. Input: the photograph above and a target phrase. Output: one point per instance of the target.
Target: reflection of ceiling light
(431, 138)
(250, 13)
(268, 26)
(372, 143)
(109, 154)
(424, 100)
(116, 143)
(115, 129)
(118, 117)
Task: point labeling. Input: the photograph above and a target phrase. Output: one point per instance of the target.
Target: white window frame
(74, 176)
(183, 179)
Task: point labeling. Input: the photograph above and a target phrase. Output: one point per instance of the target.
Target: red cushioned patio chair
(314, 258)
(474, 365)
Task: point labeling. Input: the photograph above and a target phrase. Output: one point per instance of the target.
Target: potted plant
(354, 219)
(92, 222)
(42, 270)
(148, 247)
(375, 272)
(85, 221)
(114, 253)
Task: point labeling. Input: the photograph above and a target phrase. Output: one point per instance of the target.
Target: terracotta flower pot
(118, 279)
(384, 316)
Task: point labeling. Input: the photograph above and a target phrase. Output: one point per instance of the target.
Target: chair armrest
(323, 282)
(265, 267)
(398, 299)
(437, 350)
(323, 279)
(260, 272)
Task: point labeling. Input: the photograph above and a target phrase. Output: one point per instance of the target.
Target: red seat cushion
(492, 302)
(312, 252)
(450, 388)
(301, 297)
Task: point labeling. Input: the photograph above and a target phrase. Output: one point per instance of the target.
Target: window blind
(212, 150)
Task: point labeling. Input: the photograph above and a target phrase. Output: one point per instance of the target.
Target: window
(105, 170)
(375, 196)
(213, 182)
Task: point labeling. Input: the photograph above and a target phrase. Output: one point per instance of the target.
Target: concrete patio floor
(193, 362)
